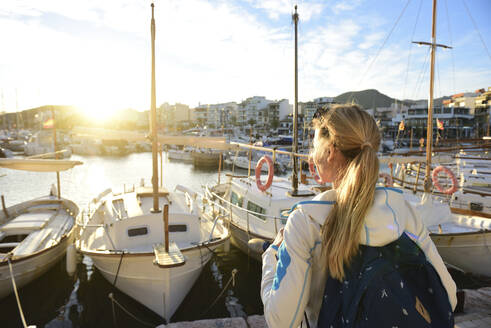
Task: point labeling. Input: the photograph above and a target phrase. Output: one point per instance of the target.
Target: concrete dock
(476, 314)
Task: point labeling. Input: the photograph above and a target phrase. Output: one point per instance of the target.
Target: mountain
(373, 98)
(366, 98)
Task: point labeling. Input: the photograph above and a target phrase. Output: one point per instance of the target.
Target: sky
(96, 54)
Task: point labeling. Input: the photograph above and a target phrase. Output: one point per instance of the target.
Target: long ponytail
(355, 133)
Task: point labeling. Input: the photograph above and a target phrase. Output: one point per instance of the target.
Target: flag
(48, 124)
(401, 126)
(439, 124)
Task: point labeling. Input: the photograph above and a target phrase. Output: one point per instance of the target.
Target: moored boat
(125, 239)
(34, 234)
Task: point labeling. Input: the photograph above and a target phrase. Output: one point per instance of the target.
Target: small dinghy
(34, 235)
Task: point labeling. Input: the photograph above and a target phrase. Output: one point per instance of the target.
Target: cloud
(277, 8)
(345, 5)
(97, 53)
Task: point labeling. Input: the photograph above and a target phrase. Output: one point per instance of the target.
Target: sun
(98, 112)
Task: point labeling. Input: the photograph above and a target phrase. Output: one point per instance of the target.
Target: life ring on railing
(260, 163)
(434, 176)
(313, 172)
(387, 179)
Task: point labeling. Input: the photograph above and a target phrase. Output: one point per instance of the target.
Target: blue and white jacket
(294, 275)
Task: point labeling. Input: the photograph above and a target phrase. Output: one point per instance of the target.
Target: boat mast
(58, 191)
(429, 132)
(153, 122)
(295, 111)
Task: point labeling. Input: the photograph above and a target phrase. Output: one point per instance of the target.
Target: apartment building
(175, 117)
(309, 108)
(481, 112)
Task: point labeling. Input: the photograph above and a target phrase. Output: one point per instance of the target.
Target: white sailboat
(462, 239)
(252, 210)
(152, 254)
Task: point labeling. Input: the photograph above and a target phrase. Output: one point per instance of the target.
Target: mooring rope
(15, 292)
(113, 301)
(231, 280)
(119, 266)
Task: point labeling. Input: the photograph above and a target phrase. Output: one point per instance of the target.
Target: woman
(322, 237)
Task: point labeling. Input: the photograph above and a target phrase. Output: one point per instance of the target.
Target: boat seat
(15, 244)
(170, 259)
(43, 207)
(33, 242)
(27, 222)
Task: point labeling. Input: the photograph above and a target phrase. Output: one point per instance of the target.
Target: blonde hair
(355, 134)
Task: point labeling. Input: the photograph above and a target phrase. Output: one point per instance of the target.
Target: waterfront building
(175, 117)
(463, 99)
(457, 121)
(481, 113)
(270, 116)
(248, 110)
(221, 115)
(201, 115)
(310, 107)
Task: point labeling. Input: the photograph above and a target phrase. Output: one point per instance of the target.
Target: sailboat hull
(240, 239)
(160, 289)
(470, 252)
(28, 269)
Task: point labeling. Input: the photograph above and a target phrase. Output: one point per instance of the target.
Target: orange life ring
(387, 179)
(434, 177)
(259, 165)
(313, 172)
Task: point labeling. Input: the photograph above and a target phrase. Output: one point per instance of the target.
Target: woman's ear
(330, 152)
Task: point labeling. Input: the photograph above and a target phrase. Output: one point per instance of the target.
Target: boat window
(178, 228)
(256, 209)
(236, 199)
(140, 231)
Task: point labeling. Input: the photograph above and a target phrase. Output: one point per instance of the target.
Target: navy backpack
(389, 286)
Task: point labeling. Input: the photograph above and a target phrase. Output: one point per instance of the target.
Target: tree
(251, 122)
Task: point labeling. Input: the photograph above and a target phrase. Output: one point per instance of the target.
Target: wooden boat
(34, 235)
(203, 157)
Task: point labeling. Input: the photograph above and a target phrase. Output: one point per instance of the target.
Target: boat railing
(218, 217)
(213, 194)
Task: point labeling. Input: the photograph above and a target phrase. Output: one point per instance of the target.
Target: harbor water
(82, 300)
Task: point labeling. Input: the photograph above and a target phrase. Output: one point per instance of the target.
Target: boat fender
(388, 182)
(71, 260)
(260, 163)
(434, 177)
(313, 172)
(258, 245)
